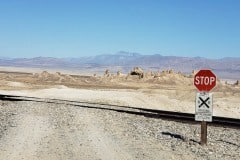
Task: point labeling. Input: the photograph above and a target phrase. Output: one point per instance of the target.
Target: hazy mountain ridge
(227, 67)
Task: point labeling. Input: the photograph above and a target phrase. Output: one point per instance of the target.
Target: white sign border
(207, 115)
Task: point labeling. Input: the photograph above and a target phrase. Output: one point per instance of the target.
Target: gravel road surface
(46, 131)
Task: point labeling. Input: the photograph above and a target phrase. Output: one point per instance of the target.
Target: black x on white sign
(204, 102)
(203, 110)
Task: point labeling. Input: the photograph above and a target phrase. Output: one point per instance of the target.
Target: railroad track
(152, 113)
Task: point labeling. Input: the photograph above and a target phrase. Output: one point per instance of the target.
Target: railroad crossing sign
(205, 80)
(204, 109)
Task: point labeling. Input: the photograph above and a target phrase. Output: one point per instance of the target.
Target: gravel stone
(142, 136)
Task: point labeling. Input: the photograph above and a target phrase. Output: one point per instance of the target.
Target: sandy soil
(164, 91)
(160, 99)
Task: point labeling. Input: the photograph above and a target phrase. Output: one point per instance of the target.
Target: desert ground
(163, 90)
(38, 130)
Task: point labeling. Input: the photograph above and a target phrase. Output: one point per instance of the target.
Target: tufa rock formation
(137, 71)
(237, 83)
(107, 73)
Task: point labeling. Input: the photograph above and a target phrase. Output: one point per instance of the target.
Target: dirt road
(48, 132)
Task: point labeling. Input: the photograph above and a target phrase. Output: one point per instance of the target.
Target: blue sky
(76, 28)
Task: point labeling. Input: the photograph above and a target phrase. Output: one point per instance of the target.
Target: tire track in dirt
(23, 141)
(102, 143)
(45, 132)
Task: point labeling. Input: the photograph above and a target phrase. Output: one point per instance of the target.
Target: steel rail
(152, 113)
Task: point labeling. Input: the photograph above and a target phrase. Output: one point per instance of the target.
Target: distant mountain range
(225, 67)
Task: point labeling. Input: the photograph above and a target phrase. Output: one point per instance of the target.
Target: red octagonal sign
(205, 80)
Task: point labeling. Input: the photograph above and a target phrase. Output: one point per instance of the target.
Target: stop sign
(205, 80)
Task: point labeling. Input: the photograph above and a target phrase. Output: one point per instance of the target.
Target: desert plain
(39, 130)
(163, 89)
